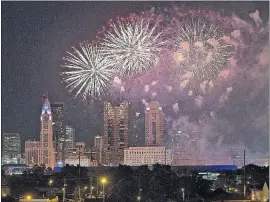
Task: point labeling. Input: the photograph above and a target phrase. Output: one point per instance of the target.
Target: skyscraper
(70, 137)
(32, 152)
(154, 126)
(11, 148)
(46, 137)
(59, 129)
(99, 148)
(115, 132)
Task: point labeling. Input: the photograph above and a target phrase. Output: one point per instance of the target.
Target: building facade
(79, 156)
(115, 132)
(154, 124)
(70, 137)
(59, 129)
(32, 152)
(70, 140)
(99, 148)
(137, 156)
(11, 148)
(46, 136)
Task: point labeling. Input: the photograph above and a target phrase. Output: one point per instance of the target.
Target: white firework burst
(132, 47)
(86, 72)
(200, 50)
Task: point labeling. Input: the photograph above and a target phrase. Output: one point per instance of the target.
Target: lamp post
(103, 181)
(183, 193)
(50, 182)
(64, 190)
(91, 192)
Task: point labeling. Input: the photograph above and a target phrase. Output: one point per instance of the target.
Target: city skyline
(246, 121)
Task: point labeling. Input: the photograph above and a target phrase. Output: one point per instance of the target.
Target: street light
(183, 193)
(50, 182)
(103, 182)
(138, 198)
(28, 197)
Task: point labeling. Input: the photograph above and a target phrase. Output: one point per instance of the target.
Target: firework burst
(200, 51)
(132, 47)
(86, 72)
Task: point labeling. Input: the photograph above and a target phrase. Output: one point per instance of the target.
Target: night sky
(36, 35)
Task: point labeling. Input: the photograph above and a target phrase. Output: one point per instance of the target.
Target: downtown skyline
(33, 69)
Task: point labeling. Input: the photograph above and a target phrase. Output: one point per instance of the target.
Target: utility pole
(165, 155)
(79, 174)
(103, 192)
(64, 190)
(245, 174)
(76, 194)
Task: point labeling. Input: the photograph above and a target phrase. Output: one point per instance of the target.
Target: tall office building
(46, 136)
(59, 129)
(32, 152)
(70, 137)
(99, 148)
(115, 132)
(154, 124)
(11, 148)
(98, 142)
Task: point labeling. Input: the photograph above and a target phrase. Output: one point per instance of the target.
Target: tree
(8, 199)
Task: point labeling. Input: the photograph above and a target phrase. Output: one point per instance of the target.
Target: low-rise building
(136, 156)
(14, 169)
(83, 161)
(32, 152)
(79, 155)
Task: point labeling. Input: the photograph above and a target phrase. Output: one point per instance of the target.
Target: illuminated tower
(46, 136)
(115, 132)
(154, 125)
(59, 129)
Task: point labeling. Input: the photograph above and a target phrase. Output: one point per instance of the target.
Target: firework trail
(86, 72)
(132, 46)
